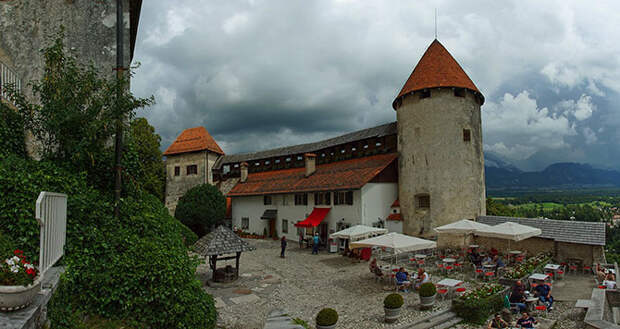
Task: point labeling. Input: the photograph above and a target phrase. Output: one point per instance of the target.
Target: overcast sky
(262, 74)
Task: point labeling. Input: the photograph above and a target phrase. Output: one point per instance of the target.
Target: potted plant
(326, 319)
(391, 305)
(427, 294)
(19, 282)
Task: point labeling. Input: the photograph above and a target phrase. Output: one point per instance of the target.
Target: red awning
(315, 218)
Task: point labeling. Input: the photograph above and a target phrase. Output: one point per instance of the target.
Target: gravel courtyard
(303, 284)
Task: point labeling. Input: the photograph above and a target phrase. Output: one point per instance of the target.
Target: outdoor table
(538, 276)
(449, 260)
(488, 266)
(529, 303)
(515, 252)
(552, 267)
(450, 283)
(474, 246)
(420, 256)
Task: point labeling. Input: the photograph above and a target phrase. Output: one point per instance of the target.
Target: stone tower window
(459, 92)
(192, 170)
(177, 171)
(466, 135)
(267, 200)
(425, 94)
(423, 201)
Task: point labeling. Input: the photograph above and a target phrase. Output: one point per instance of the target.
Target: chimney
(244, 172)
(310, 163)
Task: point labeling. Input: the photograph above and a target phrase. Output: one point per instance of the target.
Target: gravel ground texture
(303, 284)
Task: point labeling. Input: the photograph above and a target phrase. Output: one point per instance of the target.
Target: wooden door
(272, 228)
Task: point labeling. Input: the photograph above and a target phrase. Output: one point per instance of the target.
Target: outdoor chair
(489, 275)
(560, 273)
(586, 269)
(443, 292)
(478, 272)
(448, 269)
(572, 268)
(460, 291)
(541, 308)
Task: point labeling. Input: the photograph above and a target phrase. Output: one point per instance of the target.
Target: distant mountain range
(500, 174)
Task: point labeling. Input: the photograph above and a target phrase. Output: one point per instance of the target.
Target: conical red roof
(194, 139)
(436, 68)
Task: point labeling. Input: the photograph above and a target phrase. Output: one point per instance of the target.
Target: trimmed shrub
(327, 317)
(201, 208)
(393, 301)
(427, 289)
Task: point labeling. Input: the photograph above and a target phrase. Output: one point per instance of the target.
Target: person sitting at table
(543, 292)
(517, 296)
(497, 322)
(600, 273)
(610, 281)
(372, 265)
(498, 263)
(402, 280)
(475, 258)
(526, 321)
(493, 252)
(421, 279)
(487, 259)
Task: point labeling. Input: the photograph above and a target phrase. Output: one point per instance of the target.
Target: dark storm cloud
(262, 74)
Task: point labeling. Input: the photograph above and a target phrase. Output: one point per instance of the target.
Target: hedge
(478, 310)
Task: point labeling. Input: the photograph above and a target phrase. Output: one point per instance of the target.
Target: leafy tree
(73, 118)
(201, 208)
(498, 209)
(143, 143)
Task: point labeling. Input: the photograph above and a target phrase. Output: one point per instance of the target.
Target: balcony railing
(8, 77)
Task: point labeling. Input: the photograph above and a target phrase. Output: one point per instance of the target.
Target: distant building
(189, 162)
(430, 161)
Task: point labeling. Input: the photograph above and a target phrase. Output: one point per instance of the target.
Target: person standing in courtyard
(283, 246)
(315, 244)
(301, 240)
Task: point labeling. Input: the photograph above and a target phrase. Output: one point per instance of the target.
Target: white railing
(51, 212)
(8, 76)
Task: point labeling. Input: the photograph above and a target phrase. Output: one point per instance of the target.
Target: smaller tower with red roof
(189, 162)
(441, 165)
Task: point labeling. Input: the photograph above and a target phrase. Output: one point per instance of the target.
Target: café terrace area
(302, 284)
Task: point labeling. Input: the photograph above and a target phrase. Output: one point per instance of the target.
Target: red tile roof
(395, 217)
(396, 204)
(341, 175)
(194, 139)
(436, 68)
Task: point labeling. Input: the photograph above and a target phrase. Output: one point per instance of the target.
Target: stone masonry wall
(531, 246)
(27, 26)
(435, 160)
(176, 186)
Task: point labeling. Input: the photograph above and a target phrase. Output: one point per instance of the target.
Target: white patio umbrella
(397, 242)
(510, 231)
(358, 232)
(463, 226)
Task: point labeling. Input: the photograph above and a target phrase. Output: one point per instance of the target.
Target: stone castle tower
(441, 164)
(189, 162)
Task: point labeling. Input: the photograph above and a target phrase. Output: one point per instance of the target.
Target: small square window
(423, 201)
(299, 157)
(277, 161)
(459, 92)
(177, 170)
(288, 159)
(192, 170)
(425, 94)
(267, 200)
(245, 223)
(466, 135)
(284, 226)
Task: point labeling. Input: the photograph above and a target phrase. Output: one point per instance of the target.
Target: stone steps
(442, 319)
